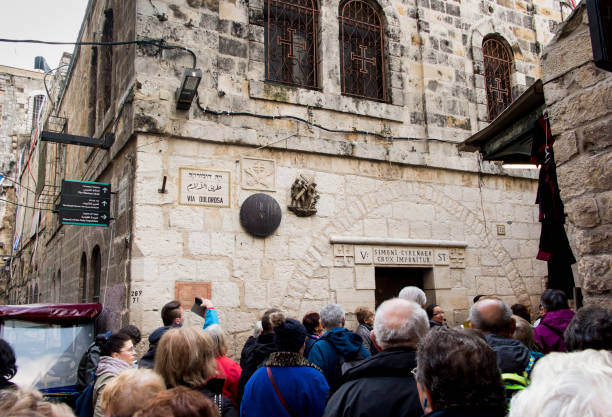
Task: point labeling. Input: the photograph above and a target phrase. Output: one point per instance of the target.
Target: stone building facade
(398, 204)
(578, 97)
(21, 95)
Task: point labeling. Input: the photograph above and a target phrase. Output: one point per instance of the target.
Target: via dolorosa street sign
(85, 203)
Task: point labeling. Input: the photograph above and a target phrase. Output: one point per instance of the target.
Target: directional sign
(85, 203)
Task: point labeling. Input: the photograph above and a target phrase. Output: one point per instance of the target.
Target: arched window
(361, 50)
(83, 278)
(291, 42)
(497, 65)
(96, 272)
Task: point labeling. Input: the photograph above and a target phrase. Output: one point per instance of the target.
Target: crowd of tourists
(402, 360)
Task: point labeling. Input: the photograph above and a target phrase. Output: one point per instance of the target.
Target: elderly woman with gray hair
(227, 367)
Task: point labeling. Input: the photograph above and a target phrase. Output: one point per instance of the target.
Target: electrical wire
(45, 83)
(318, 126)
(160, 43)
(23, 205)
(15, 181)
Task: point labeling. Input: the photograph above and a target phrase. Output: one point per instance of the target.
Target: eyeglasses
(438, 313)
(128, 350)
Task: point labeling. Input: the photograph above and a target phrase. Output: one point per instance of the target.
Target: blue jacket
(301, 384)
(211, 317)
(335, 347)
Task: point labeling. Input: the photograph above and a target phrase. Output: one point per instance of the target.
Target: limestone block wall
(433, 54)
(55, 263)
(578, 96)
(17, 89)
(298, 268)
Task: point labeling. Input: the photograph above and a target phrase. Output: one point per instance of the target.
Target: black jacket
(148, 360)
(468, 412)
(213, 390)
(381, 385)
(254, 352)
(512, 355)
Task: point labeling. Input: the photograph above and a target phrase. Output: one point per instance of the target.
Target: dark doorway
(389, 281)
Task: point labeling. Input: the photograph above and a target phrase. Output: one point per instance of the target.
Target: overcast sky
(48, 20)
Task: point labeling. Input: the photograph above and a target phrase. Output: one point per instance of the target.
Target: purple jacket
(549, 333)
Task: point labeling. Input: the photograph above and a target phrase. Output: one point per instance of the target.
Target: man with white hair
(413, 294)
(338, 348)
(383, 384)
(493, 317)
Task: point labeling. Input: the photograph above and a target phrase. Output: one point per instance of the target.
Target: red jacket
(231, 371)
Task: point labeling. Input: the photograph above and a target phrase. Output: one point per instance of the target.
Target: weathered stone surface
(585, 174)
(596, 273)
(583, 212)
(596, 136)
(566, 146)
(593, 241)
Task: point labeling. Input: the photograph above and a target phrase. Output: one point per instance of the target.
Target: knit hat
(290, 333)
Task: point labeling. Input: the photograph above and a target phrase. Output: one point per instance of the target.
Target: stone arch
(308, 267)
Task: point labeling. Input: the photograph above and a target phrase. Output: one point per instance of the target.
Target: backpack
(83, 406)
(514, 383)
(89, 361)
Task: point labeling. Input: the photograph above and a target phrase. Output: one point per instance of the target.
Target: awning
(51, 313)
(508, 138)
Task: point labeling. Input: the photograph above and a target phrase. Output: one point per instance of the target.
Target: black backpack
(89, 362)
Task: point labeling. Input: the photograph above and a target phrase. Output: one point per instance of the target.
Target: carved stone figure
(304, 197)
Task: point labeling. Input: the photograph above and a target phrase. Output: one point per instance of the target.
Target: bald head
(399, 322)
(492, 315)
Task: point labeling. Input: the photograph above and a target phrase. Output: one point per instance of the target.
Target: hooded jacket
(148, 359)
(512, 355)
(549, 333)
(335, 347)
(255, 351)
(381, 385)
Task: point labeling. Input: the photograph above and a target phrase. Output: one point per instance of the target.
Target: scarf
(108, 364)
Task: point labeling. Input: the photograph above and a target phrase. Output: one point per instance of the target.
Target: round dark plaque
(260, 215)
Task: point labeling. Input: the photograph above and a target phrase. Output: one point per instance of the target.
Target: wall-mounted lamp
(189, 88)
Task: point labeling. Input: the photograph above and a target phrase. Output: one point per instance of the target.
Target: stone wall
(578, 96)
(433, 52)
(55, 262)
(299, 268)
(18, 87)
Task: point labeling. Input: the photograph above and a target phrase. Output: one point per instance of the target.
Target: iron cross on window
(363, 58)
(291, 43)
(498, 91)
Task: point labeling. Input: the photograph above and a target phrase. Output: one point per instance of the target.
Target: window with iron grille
(37, 106)
(361, 50)
(291, 42)
(497, 66)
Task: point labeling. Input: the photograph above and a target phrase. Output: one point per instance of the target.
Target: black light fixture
(189, 88)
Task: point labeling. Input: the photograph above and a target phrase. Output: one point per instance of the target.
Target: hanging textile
(554, 245)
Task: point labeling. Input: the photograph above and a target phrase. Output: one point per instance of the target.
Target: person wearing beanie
(286, 384)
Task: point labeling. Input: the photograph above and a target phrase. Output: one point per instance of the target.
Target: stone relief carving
(457, 258)
(258, 174)
(304, 196)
